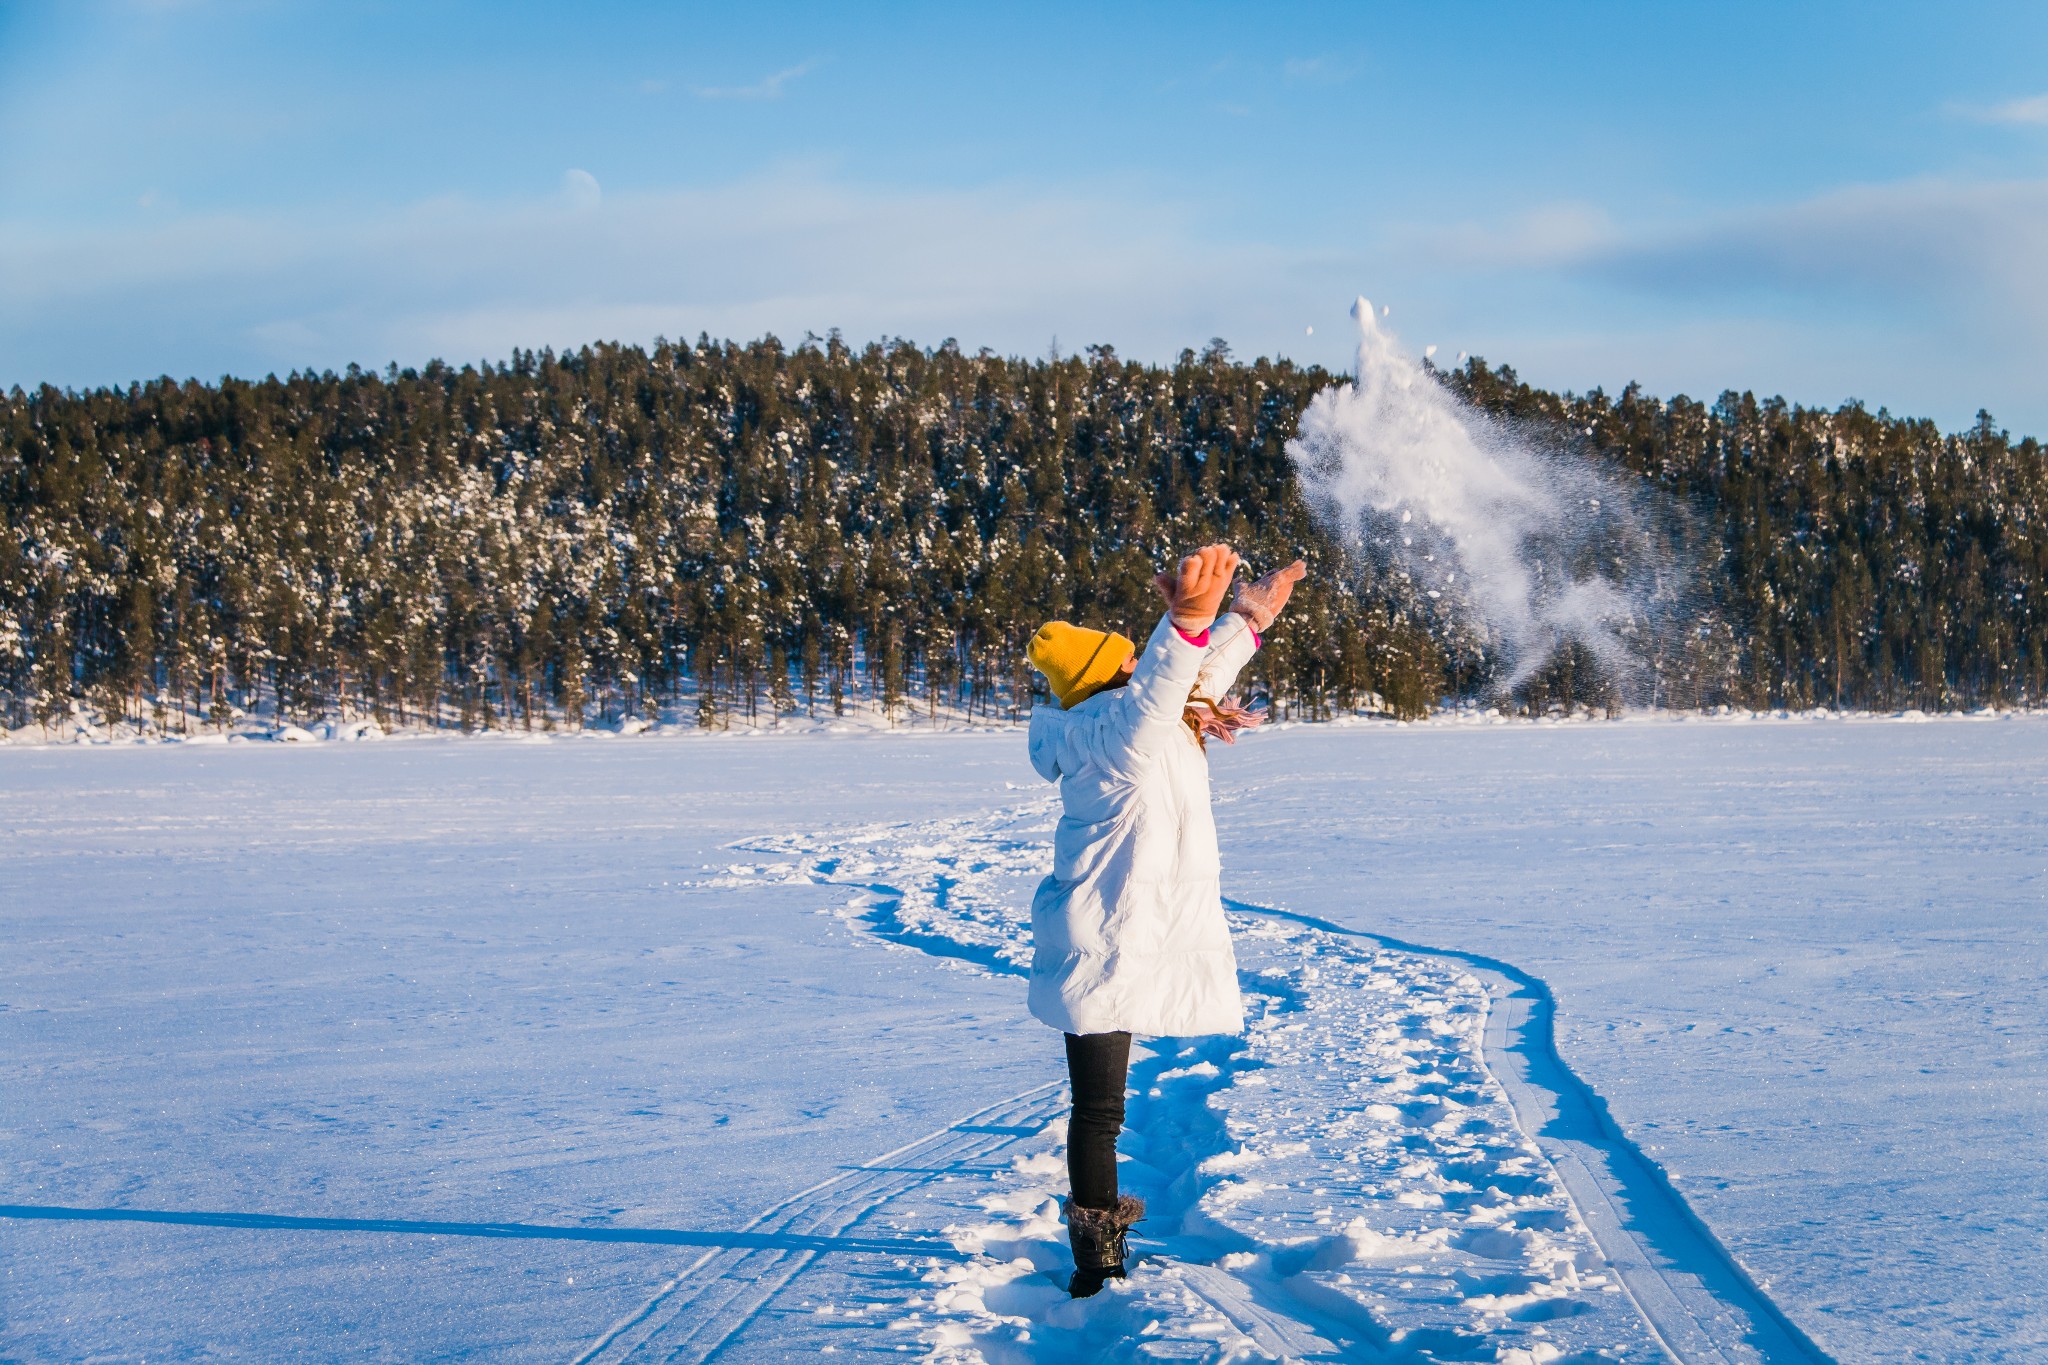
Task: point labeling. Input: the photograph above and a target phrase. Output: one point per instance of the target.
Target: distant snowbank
(87, 730)
(86, 727)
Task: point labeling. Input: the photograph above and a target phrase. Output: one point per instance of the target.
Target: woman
(1128, 931)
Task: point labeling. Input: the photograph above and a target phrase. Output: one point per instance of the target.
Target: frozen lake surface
(537, 1051)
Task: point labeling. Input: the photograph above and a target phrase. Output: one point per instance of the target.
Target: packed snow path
(1349, 1181)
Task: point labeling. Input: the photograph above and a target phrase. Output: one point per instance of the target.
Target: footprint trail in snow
(1345, 1182)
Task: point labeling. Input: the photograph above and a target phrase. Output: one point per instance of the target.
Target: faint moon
(581, 189)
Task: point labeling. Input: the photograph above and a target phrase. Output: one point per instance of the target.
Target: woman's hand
(1194, 592)
(1260, 602)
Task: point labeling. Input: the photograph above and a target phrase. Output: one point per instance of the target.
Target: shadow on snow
(267, 1222)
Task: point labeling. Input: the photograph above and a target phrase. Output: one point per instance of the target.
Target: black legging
(1096, 1064)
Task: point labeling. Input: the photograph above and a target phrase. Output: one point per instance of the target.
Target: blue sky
(1821, 200)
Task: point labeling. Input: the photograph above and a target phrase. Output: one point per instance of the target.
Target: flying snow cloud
(1518, 548)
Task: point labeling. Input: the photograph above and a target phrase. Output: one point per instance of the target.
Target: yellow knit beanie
(1077, 662)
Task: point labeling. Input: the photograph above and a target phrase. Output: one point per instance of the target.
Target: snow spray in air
(1513, 548)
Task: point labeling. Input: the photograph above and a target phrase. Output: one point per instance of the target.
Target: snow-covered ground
(1805, 964)
(653, 1048)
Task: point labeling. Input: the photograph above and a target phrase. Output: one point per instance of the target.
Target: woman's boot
(1097, 1236)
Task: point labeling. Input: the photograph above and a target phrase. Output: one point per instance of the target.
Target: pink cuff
(1257, 643)
(1198, 641)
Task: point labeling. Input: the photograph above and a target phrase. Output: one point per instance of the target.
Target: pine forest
(720, 533)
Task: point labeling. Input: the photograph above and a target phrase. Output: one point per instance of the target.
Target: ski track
(1354, 1179)
(692, 1316)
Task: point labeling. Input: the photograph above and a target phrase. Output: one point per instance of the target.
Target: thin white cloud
(1928, 297)
(1975, 252)
(1545, 236)
(2030, 110)
(1005, 266)
(1972, 252)
(767, 88)
(1319, 70)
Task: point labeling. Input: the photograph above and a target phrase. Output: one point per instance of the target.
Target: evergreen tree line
(1849, 558)
(746, 530)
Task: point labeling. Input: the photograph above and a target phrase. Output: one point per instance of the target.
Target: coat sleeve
(1231, 646)
(1048, 728)
(1149, 711)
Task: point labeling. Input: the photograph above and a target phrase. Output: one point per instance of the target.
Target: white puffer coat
(1128, 931)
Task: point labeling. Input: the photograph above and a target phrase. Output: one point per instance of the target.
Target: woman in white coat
(1128, 931)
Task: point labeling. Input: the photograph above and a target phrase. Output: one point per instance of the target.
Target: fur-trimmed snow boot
(1097, 1236)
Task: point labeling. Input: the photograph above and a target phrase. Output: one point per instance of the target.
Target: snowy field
(665, 1048)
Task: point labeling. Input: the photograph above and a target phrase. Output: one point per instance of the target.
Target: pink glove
(1194, 592)
(1260, 602)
